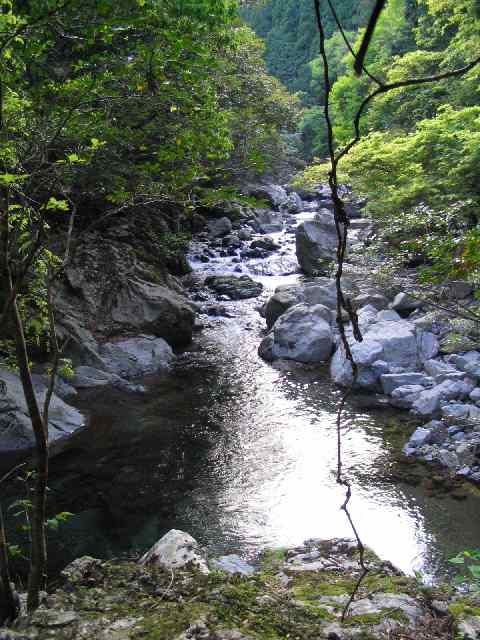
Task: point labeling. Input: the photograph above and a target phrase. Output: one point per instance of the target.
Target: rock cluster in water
(404, 354)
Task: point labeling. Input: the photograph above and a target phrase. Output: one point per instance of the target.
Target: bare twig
(347, 42)
(341, 225)
(372, 23)
(385, 88)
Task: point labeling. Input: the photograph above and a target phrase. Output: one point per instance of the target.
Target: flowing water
(242, 454)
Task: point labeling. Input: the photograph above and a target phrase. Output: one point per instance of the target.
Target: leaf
(57, 205)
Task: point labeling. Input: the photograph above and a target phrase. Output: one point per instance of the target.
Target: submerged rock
(235, 287)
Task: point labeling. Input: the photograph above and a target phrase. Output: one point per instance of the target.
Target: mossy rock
(286, 598)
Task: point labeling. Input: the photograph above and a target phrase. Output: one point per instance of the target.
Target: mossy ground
(126, 601)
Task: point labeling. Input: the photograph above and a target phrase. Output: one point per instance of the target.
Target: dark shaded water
(242, 454)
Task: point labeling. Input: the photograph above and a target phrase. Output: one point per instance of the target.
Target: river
(242, 454)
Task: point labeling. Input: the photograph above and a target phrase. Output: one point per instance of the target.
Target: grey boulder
(137, 357)
(274, 194)
(220, 227)
(283, 298)
(316, 243)
(303, 334)
(15, 427)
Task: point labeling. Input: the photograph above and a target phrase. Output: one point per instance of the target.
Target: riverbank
(176, 593)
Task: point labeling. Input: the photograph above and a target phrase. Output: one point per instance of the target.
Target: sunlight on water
(242, 454)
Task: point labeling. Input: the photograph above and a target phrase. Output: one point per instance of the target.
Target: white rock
(404, 397)
(392, 381)
(429, 401)
(174, 550)
(388, 315)
(233, 564)
(428, 345)
(437, 367)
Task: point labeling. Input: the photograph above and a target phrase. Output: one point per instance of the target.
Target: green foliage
(469, 560)
(423, 188)
(127, 105)
(257, 107)
(312, 177)
(210, 198)
(313, 130)
(417, 162)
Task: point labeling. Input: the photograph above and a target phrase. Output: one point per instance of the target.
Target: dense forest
(419, 153)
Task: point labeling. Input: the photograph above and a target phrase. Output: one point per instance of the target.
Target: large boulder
(145, 307)
(267, 221)
(274, 194)
(316, 243)
(113, 289)
(15, 427)
(137, 357)
(285, 296)
(234, 287)
(303, 334)
(219, 228)
(174, 550)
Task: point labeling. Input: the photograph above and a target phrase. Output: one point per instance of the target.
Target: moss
(310, 585)
(373, 619)
(272, 561)
(261, 606)
(463, 608)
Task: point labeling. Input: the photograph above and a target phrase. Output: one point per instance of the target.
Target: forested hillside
(417, 162)
(291, 37)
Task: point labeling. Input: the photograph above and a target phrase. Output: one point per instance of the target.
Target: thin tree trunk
(8, 609)
(38, 561)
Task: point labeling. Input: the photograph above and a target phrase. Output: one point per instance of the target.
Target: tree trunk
(38, 560)
(8, 609)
